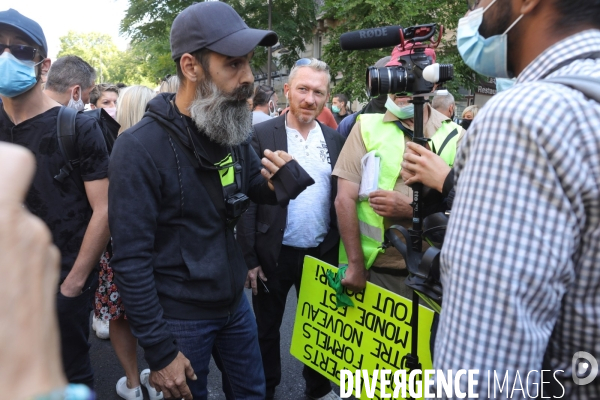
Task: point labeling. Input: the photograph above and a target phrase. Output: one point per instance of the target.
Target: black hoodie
(174, 255)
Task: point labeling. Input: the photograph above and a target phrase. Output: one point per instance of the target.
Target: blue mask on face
(406, 112)
(16, 77)
(486, 56)
(335, 109)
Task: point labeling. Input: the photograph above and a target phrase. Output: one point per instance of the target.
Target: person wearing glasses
(276, 239)
(521, 254)
(364, 219)
(264, 104)
(78, 220)
(180, 180)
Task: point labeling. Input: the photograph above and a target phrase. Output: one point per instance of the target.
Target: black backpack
(67, 135)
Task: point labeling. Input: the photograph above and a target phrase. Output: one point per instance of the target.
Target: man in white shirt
(276, 239)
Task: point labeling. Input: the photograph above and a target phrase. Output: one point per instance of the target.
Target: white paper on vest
(370, 175)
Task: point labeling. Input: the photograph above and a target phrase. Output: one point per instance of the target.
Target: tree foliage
(111, 64)
(362, 14)
(148, 24)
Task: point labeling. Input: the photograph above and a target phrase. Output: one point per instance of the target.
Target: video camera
(416, 73)
(412, 73)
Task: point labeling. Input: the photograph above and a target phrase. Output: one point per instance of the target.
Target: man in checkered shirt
(521, 260)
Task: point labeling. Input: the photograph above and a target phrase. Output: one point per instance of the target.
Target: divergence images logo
(584, 368)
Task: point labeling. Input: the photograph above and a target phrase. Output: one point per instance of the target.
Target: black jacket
(173, 253)
(260, 230)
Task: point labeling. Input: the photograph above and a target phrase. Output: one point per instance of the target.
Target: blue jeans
(233, 343)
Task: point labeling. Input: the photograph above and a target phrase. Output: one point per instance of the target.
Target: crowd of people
(214, 188)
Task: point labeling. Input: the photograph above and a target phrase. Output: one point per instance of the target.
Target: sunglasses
(472, 4)
(20, 51)
(303, 61)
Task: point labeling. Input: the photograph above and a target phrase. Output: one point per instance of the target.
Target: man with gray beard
(179, 181)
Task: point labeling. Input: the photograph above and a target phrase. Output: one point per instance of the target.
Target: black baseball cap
(218, 27)
(26, 25)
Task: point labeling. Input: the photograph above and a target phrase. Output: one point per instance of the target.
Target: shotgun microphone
(374, 38)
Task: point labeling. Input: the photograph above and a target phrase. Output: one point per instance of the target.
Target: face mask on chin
(76, 105)
(486, 56)
(16, 76)
(406, 112)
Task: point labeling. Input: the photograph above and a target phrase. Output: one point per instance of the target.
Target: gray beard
(223, 117)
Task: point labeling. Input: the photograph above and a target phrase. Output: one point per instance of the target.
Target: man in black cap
(77, 218)
(179, 180)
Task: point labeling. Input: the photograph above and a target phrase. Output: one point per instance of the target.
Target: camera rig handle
(421, 33)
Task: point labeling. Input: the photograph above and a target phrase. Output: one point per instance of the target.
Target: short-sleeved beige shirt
(348, 166)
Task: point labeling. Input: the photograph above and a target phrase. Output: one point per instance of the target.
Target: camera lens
(386, 80)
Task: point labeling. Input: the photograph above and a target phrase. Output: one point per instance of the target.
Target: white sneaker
(101, 328)
(145, 379)
(126, 393)
(329, 396)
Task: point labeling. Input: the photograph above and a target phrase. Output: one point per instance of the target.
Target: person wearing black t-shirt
(78, 220)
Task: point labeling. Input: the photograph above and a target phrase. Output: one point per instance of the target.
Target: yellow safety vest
(388, 142)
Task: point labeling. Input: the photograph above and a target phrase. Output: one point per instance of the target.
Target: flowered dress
(109, 305)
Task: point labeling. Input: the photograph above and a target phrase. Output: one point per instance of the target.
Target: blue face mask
(406, 112)
(485, 56)
(503, 84)
(16, 77)
(335, 109)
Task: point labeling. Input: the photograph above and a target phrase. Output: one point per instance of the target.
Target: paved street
(108, 370)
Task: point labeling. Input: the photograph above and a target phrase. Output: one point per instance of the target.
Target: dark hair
(575, 13)
(262, 95)
(201, 56)
(342, 97)
(68, 71)
(97, 91)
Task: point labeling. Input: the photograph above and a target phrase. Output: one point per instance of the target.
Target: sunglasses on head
(303, 61)
(472, 4)
(20, 51)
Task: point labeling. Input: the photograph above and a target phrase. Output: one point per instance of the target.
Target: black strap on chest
(446, 141)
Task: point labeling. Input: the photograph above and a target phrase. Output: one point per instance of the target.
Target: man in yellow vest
(362, 221)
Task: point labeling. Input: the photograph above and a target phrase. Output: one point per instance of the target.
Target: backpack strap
(590, 87)
(67, 134)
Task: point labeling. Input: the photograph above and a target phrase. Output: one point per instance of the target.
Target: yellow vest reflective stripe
(387, 140)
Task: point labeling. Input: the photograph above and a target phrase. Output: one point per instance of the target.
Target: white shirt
(308, 215)
(259, 116)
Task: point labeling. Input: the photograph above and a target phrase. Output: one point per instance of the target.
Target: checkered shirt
(521, 260)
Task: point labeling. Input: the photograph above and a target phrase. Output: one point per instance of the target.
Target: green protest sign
(373, 335)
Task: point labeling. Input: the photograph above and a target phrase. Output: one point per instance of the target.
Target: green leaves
(111, 64)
